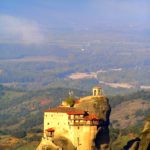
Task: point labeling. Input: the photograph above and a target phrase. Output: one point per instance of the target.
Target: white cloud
(16, 29)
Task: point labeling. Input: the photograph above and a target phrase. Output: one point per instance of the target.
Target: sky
(27, 20)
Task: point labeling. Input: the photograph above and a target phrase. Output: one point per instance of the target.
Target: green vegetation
(37, 77)
(118, 99)
(70, 101)
(21, 114)
(36, 67)
(24, 110)
(119, 143)
(28, 146)
(120, 137)
(1, 90)
(8, 142)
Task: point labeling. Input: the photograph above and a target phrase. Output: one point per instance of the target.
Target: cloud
(14, 29)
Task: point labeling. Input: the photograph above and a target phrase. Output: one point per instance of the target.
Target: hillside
(130, 109)
(142, 142)
(21, 115)
(129, 113)
(28, 105)
(21, 111)
(8, 142)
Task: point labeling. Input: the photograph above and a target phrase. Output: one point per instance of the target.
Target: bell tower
(97, 91)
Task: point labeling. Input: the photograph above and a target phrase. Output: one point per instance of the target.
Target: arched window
(95, 92)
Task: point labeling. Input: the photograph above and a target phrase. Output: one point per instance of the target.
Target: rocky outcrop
(143, 141)
(98, 105)
(86, 121)
(58, 143)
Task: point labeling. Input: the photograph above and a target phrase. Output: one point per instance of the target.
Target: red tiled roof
(50, 130)
(68, 110)
(91, 117)
(76, 113)
(73, 111)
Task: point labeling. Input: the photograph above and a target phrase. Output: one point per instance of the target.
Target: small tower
(97, 91)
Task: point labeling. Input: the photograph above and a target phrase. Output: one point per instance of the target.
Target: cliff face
(56, 144)
(84, 123)
(98, 105)
(143, 141)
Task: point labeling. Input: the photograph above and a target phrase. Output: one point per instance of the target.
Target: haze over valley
(51, 51)
(46, 44)
(110, 58)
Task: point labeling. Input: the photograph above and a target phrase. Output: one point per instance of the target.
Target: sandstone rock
(90, 125)
(143, 142)
(98, 105)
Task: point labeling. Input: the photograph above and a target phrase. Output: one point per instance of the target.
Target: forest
(21, 112)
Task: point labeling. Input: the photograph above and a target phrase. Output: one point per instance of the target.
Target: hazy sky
(26, 20)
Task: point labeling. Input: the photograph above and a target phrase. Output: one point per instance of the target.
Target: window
(78, 141)
(76, 117)
(94, 92)
(72, 116)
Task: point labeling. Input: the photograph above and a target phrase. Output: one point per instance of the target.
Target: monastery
(77, 126)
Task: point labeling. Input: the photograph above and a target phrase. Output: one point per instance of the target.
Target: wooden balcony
(75, 117)
(83, 123)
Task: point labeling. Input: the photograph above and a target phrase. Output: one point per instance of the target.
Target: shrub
(18, 133)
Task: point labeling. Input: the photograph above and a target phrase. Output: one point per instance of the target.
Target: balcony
(75, 117)
(83, 123)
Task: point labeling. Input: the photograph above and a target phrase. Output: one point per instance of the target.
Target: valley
(115, 57)
(22, 113)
